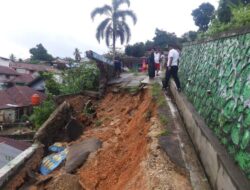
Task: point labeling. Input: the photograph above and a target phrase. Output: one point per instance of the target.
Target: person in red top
(157, 57)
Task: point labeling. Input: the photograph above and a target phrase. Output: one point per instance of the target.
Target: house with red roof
(27, 68)
(9, 77)
(16, 102)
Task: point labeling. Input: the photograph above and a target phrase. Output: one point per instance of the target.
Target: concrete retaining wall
(221, 170)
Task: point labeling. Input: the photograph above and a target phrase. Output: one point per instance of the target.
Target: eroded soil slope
(130, 157)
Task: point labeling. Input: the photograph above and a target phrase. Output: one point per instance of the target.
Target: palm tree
(114, 26)
(77, 55)
(12, 57)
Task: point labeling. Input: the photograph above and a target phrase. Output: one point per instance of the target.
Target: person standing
(163, 61)
(157, 57)
(151, 65)
(172, 67)
(118, 66)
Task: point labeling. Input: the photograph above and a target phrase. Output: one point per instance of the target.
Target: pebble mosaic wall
(215, 76)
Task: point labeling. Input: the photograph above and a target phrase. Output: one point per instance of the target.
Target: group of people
(157, 61)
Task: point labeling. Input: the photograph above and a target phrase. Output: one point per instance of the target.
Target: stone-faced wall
(215, 76)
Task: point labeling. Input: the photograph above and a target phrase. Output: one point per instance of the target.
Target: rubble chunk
(78, 153)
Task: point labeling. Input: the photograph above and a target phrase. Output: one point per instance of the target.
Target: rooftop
(18, 96)
(8, 71)
(29, 66)
(20, 145)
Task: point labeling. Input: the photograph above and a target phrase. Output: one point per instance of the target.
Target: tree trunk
(114, 39)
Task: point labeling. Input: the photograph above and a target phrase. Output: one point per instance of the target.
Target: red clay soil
(124, 128)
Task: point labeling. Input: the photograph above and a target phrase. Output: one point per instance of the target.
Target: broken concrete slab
(82, 150)
(54, 125)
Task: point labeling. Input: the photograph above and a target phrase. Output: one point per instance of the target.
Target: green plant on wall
(222, 68)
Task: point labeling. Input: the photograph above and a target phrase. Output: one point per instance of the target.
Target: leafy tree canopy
(163, 38)
(203, 15)
(40, 53)
(136, 50)
(188, 36)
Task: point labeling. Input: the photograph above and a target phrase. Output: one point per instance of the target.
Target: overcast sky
(62, 25)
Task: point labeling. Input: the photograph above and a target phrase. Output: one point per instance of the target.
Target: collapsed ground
(130, 157)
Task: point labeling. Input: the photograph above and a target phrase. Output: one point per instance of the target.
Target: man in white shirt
(157, 57)
(172, 67)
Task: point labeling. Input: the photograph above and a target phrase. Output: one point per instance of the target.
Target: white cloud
(62, 25)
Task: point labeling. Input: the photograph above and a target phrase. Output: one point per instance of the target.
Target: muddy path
(130, 157)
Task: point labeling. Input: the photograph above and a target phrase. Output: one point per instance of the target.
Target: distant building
(27, 68)
(9, 77)
(16, 102)
(4, 62)
(10, 148)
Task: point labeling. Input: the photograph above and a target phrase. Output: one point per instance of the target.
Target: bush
(85, 77)
(51, 86)
(41, 113)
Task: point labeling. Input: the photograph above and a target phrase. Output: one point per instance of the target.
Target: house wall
(23, 71)
(4, 63)
(7, 116)
(6, 77)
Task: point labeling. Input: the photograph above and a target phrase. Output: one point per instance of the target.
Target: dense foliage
(39, 53)
(161, 40)
(231, 14)
(136, 50)
(41, 113)
(240, 18)
(51, 86)
(85, 77)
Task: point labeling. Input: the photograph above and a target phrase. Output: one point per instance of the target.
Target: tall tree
(12, 57)
(39, 53)
(188, 36)
(114, 26)
(163, 38)
(77, 55)
(203, 15)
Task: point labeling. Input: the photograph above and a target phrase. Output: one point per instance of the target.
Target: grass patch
(157, 94)
(163, 120)
(133, 90)
(164, 133)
